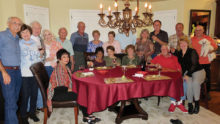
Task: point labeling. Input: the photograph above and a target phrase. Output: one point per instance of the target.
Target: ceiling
(144, 0)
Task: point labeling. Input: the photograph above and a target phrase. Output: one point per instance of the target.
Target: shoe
(94, 118)
(182, 108)
(24, 120)
(190, 108)
(172, 108)
(89, 120)
(34, 118)
(196, 109)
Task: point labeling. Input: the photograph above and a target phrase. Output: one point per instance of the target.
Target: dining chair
(42, 78)
(88, 56)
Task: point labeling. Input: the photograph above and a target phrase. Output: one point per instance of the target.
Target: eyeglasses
(15, 23)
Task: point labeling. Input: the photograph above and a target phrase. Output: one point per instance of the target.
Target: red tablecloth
(94, 94)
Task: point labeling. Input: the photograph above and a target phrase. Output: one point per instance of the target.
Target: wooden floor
(214, 103)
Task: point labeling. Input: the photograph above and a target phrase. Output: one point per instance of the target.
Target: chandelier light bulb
(145, 5)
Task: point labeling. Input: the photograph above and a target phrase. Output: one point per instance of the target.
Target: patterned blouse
(54, 47)
(92, 47)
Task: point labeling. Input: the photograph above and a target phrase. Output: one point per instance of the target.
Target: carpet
(156, 115)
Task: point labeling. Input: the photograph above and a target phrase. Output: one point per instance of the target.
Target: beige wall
(59, 10)
(15, 8)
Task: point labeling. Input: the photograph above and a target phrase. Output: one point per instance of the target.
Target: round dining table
(96, 95)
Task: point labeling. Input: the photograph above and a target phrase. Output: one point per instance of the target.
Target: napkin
(140, 74)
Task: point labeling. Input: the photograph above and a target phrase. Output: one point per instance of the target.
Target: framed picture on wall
(199, 17)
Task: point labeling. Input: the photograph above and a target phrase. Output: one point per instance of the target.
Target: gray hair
(43, 34)
(13, 17)
(35, 22)
(62, 28)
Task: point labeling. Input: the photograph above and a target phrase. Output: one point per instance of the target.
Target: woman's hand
(186, 78)
(70, 90)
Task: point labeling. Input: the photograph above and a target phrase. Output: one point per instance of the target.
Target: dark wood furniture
(215, 74)
(42, 78)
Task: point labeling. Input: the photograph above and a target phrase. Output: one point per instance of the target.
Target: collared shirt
(115, 44)
(66, 45)
(79, 42)
(9, 49)
(36, 39)
(162, 35)
(173, 40)
(125, 40)
(195, 44)
(29, 55)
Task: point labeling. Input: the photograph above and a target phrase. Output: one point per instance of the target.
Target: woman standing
(29, 55)
(112, 42)
(193, 73)
(95, 43)
(51, 47)
(144, 47)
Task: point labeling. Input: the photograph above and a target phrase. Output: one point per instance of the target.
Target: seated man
(167, 60)
(60, 86)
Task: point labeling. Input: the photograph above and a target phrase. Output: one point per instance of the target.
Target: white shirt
(36, 39)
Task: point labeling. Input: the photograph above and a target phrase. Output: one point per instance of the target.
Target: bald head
(14, 24)
(36, 28)
(81, 27)
(199, 31)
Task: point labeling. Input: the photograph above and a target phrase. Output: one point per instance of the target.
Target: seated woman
(111, 60)
(167, 60)
(130, 58)
(193, 73)
(60, 85)
(98, 61)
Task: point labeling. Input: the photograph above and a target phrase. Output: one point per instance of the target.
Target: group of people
(22, 45)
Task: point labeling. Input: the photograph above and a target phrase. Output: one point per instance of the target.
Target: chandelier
(127, 22)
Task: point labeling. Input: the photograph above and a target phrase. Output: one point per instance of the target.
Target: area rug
(156, 115)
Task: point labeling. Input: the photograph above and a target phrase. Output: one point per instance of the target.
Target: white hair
(35, 22)
(43, 34)
(13, 17)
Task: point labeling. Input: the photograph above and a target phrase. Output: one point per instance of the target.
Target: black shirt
(162, 35)
(189, 62)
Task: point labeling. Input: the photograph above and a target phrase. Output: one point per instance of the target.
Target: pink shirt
(115, 44)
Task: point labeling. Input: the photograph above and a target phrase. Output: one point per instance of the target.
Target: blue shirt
(9, 49)
(29, 55)
(79, 42)
(92, 47)
(124, 40)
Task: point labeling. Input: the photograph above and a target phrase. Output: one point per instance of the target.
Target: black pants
(206, 67)
(29, 89)
(61, 94)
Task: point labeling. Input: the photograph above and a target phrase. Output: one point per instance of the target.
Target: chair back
(89, 56)
(42, 78)
(120, 56)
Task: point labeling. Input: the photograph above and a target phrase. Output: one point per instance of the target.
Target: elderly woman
(130, 58)
(112, 42)
(29, 55)
(51, 48)
(98, 61)
(144, 47)
(167, 60)
(111, 59)
(193, 73)
(95, 43)
(60, 86)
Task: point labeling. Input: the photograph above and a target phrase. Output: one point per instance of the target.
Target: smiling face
(99, 55)
(111, 37)
(144, 35)
(199, 31)
(14, 25)
(81, 27)
(130, 52)
(62, 33)
(183, 45)
(164, 50)
(157, 26)
(36, 29)
(96, 36)
(26, 35)
(110, 52)
(64, 59)
(179, 28)
(48, 35)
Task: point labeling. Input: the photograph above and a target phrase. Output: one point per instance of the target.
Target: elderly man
(125, 40)
(173, 39)
(158, 37)
(66, 44)
(10, 77)
(36, 31)
(79, 41)
(169, 61)
(204, 61)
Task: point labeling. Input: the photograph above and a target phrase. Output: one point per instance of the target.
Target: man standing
(125, 40)
(79, 41)
(173, 39)
(204, 61)
(10, 77)
(36, 31)
(158, 37)
(66, 44)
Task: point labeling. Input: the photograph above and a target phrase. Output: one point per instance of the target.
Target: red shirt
(197, 47)
(170, 62)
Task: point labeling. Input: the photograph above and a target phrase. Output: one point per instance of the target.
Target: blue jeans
(184, 92)
(11, 94)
